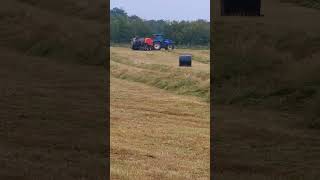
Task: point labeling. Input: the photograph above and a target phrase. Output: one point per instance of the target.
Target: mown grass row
(260, 66)
(306, 3)
(196, 57)
(44, 33)
(177, 80)
(158, 67)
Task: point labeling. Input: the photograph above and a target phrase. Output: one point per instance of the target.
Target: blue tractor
(160, 42)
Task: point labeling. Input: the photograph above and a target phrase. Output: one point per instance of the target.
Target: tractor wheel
(157, 46)
(170, 47)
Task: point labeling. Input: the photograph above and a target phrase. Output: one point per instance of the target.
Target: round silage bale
(185, 60)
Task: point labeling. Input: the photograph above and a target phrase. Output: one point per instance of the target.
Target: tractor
(160, 42)
(156, 42)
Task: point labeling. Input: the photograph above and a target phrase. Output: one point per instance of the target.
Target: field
(306, 3)
(53, 90)
(266, 94)
(159, 115)
(53, 97)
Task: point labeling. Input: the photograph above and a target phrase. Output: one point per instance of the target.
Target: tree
(124, 27)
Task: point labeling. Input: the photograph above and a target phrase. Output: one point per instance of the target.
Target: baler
(156, 42)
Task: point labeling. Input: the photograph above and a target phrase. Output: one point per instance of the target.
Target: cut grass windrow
(179, 80)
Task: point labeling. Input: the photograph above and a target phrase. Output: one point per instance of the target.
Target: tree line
(187, 33)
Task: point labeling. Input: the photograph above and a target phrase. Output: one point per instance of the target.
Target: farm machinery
(156, 42)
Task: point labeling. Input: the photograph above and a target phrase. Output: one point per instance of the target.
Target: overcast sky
(165, 9)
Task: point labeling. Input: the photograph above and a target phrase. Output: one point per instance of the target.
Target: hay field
(267, 91)
(53, 90)
(159, 116)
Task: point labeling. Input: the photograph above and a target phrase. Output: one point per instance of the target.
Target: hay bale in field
(185, 60)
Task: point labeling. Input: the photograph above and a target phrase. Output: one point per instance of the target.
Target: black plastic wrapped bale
(185, 60)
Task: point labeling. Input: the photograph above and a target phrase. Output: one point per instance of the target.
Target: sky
(165, 9)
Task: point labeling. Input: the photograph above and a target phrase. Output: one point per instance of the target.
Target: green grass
(277, 70)
(171, 82)
(178, 80)
(46, 34)
(306, 3)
